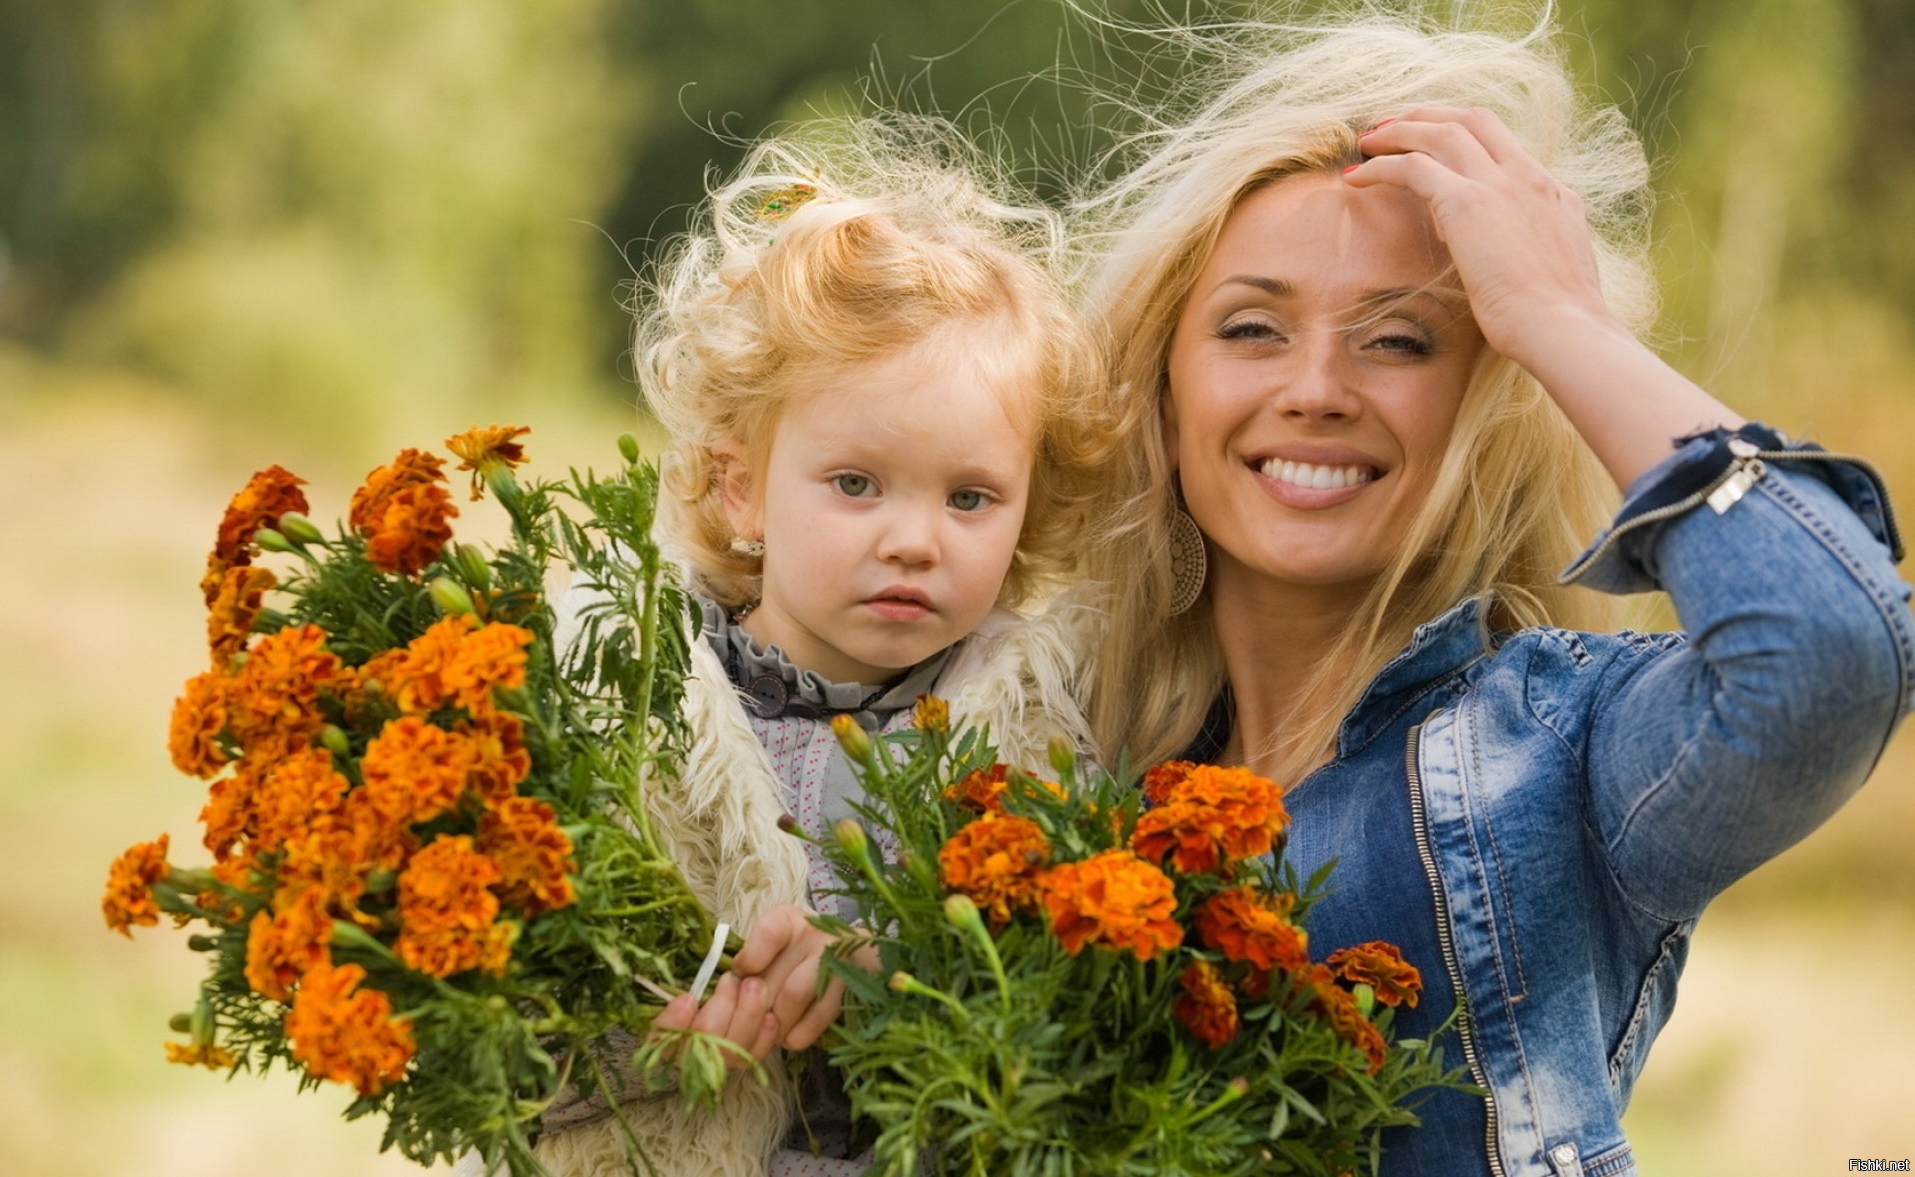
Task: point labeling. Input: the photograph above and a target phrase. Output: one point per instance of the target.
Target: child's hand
(784, 953)
(738, 1009)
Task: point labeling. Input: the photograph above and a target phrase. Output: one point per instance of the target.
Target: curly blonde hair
(861, 239)
(1518, 493)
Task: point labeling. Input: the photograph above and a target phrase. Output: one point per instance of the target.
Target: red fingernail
(1386, 122)
(1353, 167)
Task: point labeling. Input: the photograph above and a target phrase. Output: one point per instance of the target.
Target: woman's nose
(1318, 382)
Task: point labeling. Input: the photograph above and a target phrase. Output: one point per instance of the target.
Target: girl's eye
(856, 486)
(970, 500)
(1247, 329)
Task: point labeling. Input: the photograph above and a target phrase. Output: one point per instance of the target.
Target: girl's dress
(763, 749)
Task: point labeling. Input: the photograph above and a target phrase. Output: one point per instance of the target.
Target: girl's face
(1315, 372)
(890, 505)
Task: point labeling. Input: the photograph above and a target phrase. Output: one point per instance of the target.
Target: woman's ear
(737, 490)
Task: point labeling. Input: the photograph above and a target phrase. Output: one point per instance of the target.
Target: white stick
(711, 962)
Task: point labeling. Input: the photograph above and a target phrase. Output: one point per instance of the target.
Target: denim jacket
(1577, 798)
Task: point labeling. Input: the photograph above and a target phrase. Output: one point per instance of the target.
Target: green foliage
(980, 1050)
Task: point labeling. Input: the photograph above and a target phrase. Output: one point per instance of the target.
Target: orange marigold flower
(228, 814)
(347, 1034)
(981, 790)
(427, 765)
(1214, 815)
(270, 704)
(209, 1055)
(931, 714)
(129, 887)
(1242, 925)
(410, 469)
(534, 855)
(1339, 1009)
(1113, 898)
(446, 910)
(378, 822)
(412, 530)
(496, 744)
(1380, 966)
(199, 716)
(1206, 1007)
(996, 860)
(491, 656)
(415, 677)
(484, 450)
(296, 795)
(269, 494)
(283, 947)
(1163, 777)
(236, 873)
(326, 862)
(230, 615)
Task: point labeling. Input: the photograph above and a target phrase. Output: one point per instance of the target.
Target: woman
(1380, 359)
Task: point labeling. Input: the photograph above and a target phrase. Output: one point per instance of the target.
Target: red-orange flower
(484, 450)
(1241, 924)
(347, 1034)
(1214, 815)
(129, 887)
(495, 742)
(1334, 1002)
(270, 703)
(1159, 780)
(981, 790)
(996, 861)
(403, 512)
(230, 615)
(1113, 898)
(446, 911)
(411, 759)
(228, 816)
(269, 494)
(1206, 1007)
(328, 862)
(534, 855)
(199, 716)
(283, 947)
(1381, 966)
(415, 677)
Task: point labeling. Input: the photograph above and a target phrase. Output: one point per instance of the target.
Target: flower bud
(333, 739)
(931, 714)
(299, 529)
(1365, 995)
(1063, 756)
(851, 837)
(901, 982)
(472, 566)
(450, 596)
(628, 447)
(961, 913)
(851, 738)
(199, 943)
(273, 541)
(200, 1024)
(180, 1023)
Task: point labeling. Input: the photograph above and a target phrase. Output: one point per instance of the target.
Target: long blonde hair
(858, 239)
(1518, 492)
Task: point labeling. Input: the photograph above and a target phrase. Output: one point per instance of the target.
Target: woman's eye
(855, 485)
(970, 500)
(1401, 344)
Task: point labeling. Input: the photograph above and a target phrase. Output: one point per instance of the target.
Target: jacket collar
(1438, 649)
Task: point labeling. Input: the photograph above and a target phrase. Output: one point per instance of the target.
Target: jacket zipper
(1745, 470)
(1446, 940)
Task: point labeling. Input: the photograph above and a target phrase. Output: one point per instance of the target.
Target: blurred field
(1793, 1047)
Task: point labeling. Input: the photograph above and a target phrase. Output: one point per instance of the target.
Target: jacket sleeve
(1707, 759)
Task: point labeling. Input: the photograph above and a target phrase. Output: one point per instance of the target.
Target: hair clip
(782, 202)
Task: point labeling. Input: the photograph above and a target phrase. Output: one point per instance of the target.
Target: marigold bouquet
(431, 876)
(1082, 976)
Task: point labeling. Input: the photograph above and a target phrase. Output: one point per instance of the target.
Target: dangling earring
(753, 549)
(1189, 563)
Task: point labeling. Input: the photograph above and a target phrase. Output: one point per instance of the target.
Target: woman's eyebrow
(1276, 287)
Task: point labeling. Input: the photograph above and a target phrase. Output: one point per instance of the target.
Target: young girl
(883, 436)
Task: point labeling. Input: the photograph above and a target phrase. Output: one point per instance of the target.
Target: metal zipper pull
(1745, 473)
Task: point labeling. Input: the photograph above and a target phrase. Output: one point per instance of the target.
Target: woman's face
(1315, 372)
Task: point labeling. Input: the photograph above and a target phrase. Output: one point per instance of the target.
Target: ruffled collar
(770, 686)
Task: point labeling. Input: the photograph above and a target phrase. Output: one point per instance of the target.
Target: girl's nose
(910, 535)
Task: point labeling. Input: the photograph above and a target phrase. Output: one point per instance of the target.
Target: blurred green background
(238, 232)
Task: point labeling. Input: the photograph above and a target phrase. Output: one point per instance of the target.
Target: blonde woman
(1374, 305)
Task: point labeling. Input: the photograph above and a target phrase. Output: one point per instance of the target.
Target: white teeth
(1316, 477)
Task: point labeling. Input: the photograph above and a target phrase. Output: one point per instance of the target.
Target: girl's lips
(900, 604)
